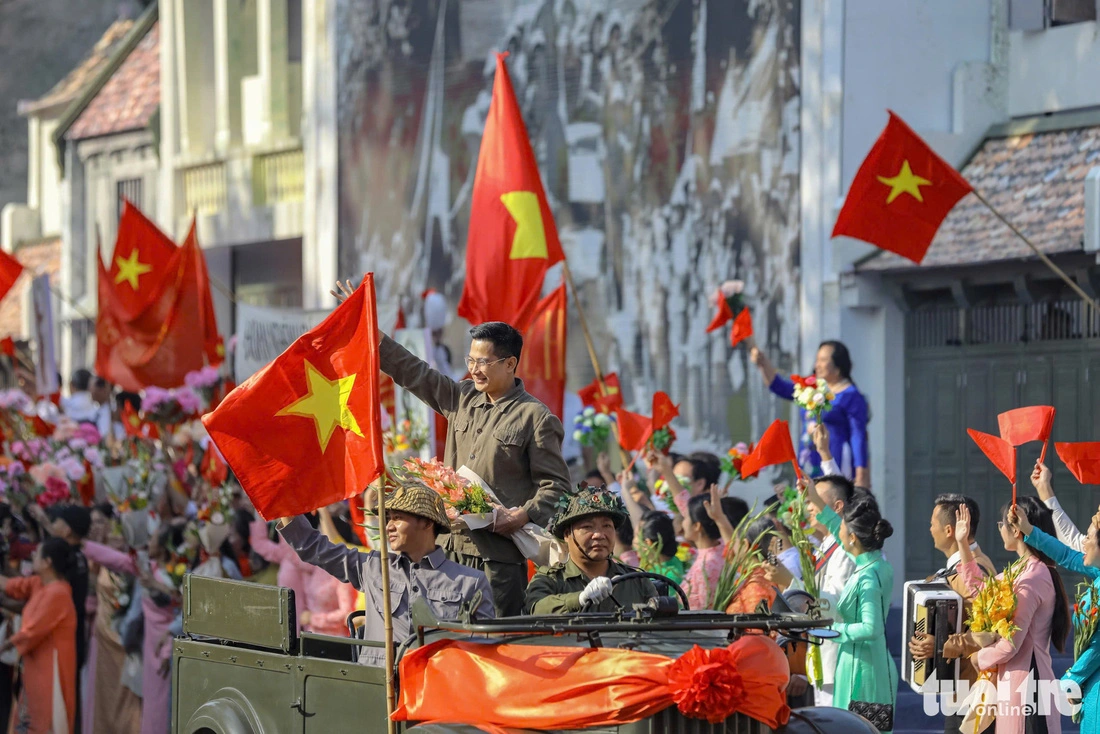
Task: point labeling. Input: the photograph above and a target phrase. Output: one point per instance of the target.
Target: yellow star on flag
(529, 241)
(906, 182)
(130, 269)
(326, 402)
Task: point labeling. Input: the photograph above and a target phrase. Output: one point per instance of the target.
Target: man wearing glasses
(502, 433)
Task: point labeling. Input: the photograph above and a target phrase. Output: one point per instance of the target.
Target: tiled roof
(130, 96)
(1036, 180)
(75, 81)
(40, 257)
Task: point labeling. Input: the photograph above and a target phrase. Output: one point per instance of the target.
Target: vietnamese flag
(10, 270)
(901, 194)
(663, 411)
(605, 399)
(512, 239)
(634, 429)
(542, 368)
(306, 431)
(214, 469)
(212, 343)
(732, 309)
(774, 447)
(140, 263)
(1082, 459)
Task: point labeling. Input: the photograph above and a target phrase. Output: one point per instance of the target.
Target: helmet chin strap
(580, 548)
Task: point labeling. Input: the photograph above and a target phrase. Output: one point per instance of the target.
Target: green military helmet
(417, 499)
(586, 502)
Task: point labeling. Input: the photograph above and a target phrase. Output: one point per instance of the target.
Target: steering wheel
(647, 575)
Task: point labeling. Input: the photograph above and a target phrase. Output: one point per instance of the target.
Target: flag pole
(1042, 255)
(387, 611)
(623, 455)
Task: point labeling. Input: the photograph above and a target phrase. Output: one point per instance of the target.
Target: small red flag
(607, 399)
(1000, 452)
(1021, 425)
(1082, 459)
(663, 411)
(634, 429)
(901, 194)
(774, 447)
(213, 344)
(214, 469)
(10, 270)
(542, 368)
(723, 317)
(742, 328)
(512, 239)
(305, 431)
(7, 346)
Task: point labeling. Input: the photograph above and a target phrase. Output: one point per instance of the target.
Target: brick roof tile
(129, 98)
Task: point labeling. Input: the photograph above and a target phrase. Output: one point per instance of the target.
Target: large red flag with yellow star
(141, 260)
(306, 430)
(901, 194)
(512, 239)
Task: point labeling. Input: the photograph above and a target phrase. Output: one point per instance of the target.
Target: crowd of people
(91, 599)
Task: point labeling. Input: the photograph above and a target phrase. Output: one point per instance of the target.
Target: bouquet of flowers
(1086, 618)
(214, 517)
(813, 395)
(460, 495)
(166, 407)
(592, 429)
(792, 513)
(661, 440)
(994, 607)
(405, 435)
(204, 382)
(731, 462)
(175, 569)
(741, 563)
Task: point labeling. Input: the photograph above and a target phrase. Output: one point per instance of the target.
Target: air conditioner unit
(1092, 210)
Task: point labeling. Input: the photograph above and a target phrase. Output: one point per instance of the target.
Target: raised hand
(962, 526)
(1018, 520)
(343, 291)
(821, 441)
(1040, 479)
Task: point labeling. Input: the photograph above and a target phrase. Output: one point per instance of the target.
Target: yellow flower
(180, 569)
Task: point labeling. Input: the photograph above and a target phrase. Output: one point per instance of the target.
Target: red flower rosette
(705, 684)
(809, 381)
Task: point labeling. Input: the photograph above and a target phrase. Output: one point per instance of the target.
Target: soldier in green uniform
(586, 520)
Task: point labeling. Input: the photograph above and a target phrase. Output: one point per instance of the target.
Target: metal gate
(963, 367)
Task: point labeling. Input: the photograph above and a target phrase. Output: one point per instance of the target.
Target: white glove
(597, 590)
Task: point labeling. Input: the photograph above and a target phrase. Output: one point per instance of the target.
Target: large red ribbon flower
(705, 684)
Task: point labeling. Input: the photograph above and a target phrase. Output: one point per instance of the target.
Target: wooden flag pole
(387, 611)
(623, 455)
(1042, 255)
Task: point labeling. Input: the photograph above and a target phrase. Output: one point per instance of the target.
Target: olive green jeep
(240, 667)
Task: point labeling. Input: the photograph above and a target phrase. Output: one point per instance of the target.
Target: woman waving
(847, 421)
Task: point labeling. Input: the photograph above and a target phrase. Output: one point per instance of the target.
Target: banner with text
(263, 333)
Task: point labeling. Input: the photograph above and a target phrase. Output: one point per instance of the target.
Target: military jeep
(240, 667)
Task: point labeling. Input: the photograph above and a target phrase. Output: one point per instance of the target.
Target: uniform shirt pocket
(511, 438)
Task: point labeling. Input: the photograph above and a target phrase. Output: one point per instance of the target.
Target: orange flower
(705, 684)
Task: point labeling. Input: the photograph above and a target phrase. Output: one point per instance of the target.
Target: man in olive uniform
(587, 524)
(503, 434)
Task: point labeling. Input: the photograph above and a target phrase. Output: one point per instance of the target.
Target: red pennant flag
(1082, 459)
(7, 346)
(214, 469)
(1026, 424)
(1000, 452)
(542, 367)
(141, 261)
(10, 270)
(512, 239)
(634, 429)
(901, 194)
(742, 327)
(774, 447)
(723, 317)
(663, 411)
(305, 431)
(607, 399)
